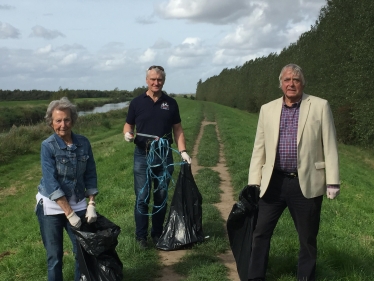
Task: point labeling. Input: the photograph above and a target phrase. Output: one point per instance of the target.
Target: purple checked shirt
(286, 159)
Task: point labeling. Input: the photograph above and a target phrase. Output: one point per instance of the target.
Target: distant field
(42, 102)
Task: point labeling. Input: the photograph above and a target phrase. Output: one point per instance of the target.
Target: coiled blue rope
(159, 150)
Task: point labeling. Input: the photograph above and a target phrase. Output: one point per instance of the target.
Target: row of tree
(24, 95)
(28, 115)
(337, 57)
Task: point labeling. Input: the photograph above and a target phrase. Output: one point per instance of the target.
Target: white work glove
(186, 157)
(332, 192)
(129, 137)
(91, 212)
(74, 220)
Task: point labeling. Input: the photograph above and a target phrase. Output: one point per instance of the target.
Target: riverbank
(22, 140)
(26, 113)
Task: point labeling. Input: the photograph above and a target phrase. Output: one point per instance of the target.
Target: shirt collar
(62, 144)
(294, 105)
(160, 98)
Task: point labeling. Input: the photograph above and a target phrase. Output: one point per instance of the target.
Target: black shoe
(256, 279)
(142, 243)
(155, 239)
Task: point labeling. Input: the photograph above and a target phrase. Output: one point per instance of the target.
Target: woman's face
(62, 123)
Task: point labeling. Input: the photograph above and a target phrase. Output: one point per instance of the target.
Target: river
(105, 108)
(99, 109)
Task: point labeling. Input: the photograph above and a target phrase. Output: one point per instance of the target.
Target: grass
(208, 151)
(346, 241)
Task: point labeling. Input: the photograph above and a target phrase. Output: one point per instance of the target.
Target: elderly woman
(69, 177)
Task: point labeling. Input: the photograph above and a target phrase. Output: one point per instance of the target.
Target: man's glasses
(156, 66)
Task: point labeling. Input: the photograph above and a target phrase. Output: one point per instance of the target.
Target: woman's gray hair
(61, 104)
(295, 70)
(158, 69)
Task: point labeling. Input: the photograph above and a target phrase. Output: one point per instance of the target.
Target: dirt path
(169, 258)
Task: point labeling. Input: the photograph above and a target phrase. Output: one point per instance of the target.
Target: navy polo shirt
(153, 118)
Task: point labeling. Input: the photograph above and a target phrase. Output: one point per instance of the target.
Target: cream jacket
(317, 153)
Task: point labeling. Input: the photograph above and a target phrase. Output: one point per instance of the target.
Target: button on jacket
(67, 170)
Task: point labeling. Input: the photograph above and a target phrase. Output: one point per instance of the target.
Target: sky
(108, 44)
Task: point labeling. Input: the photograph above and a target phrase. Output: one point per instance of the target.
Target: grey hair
(61, 104)
(295, 70)
(158, 71)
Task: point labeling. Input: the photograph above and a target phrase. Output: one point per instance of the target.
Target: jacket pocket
(64, 167)
(319, 165)
(82, 163)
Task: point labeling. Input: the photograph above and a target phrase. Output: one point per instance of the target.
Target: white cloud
(270, 26)
(44, 50)
(40, 31)
(188, 54)
(190, 47)
(148, 56)
(8, 31)
(211, 11)
(69, 59)
(161, 44)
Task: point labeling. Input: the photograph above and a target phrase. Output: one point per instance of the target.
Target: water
(105, 108)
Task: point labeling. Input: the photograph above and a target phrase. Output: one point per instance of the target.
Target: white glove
(186, 157)
(129, 137)
(74, 220)
(332, 192)
(91, 212)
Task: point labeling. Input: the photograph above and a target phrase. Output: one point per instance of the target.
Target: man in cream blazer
(294, 163)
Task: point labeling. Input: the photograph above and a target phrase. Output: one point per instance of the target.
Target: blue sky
(104, 44)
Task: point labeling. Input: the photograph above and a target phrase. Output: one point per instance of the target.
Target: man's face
(155, 81)
(292, 86)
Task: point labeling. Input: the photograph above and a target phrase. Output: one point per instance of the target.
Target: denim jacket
(67, 170)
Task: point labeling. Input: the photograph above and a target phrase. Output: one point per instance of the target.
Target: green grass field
(346, 241)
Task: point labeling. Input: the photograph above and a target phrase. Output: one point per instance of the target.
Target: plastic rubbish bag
(97, 257)
(240, 226)
(184, 224)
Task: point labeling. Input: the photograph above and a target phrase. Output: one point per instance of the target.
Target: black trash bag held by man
(184, 224)
(97, 257)
(240, 226)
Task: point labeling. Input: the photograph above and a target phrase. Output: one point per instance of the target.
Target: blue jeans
(51, 229)
(142, 186)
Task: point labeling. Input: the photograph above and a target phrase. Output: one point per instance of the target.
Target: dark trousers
(285, 192)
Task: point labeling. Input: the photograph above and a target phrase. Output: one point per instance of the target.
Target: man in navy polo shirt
(154, 114)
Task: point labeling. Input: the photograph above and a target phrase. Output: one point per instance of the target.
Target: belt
(288, 174)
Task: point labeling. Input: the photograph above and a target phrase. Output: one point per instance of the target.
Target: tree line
(25, 95)
(337, 58)
(29, 115)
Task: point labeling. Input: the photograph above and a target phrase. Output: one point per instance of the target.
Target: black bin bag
(183, 227)
(97, 257)
(240, 226)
